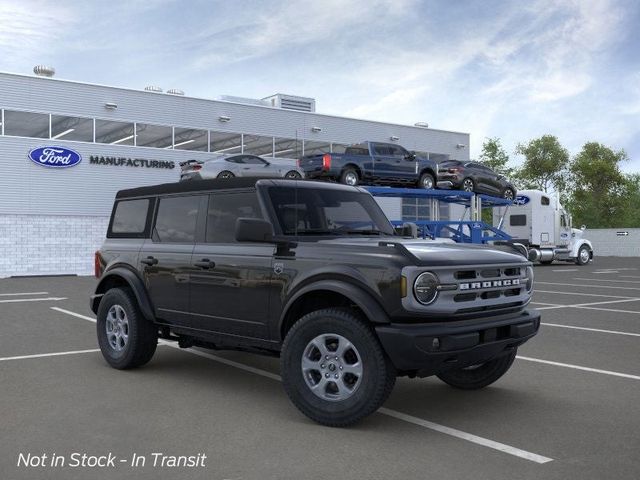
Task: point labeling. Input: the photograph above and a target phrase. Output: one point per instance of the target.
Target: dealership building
(53, 219)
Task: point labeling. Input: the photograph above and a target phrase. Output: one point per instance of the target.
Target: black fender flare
(133, 281)
(365, 302)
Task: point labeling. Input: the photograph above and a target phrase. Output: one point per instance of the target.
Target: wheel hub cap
(117, 328)
(351, 179)
(332, 367)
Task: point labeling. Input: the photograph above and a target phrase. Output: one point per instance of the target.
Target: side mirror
(253, 230)
(410, 156)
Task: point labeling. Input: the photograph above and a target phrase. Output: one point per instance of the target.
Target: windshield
(310, 211)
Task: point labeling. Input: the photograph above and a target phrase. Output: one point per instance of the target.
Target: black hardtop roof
(220, 184)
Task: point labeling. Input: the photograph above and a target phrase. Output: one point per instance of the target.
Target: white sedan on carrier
(243, 165)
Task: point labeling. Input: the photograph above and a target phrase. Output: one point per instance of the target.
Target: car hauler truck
(539, 221)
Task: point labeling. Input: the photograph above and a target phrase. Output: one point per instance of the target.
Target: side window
(518, 220)
(225, 209)
(176, 219)
(253, 160)
(130, 217)
(398, 151)
(234, 160)
(544, 201)
(381, 149)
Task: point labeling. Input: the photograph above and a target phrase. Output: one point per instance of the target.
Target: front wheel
(426, 181)
(334, 369)
(584, 255)
(126, 338)
(481, 375)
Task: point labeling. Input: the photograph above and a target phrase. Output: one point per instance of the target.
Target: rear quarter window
(130, 218)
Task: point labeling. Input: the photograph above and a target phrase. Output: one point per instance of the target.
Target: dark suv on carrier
(312, 272)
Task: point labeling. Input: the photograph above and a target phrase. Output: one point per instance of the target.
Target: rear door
(165, 259)
(404, 167)
(230, 281)
(383, 161)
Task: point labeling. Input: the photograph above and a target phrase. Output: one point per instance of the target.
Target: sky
(508, 69)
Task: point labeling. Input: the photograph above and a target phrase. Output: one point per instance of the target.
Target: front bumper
(414, 348)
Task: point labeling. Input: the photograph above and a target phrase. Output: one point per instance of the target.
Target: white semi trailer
(539, 221)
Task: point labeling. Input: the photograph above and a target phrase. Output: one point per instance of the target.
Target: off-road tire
(474, 378)
(142, 334)
(378, 374)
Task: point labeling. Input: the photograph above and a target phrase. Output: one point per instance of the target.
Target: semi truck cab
(538, 220)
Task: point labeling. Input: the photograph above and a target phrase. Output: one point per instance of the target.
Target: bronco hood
(435, 253)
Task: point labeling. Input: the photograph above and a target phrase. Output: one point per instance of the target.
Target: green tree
(545, 165)
(495, 157)
(600, 192)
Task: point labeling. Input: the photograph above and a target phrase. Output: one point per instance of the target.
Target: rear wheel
(349, 177)
(584, 255)
(426, 181)
(334, 369)
(481, 375)
(226, 174)
(293, 175)
(468, 185)
(126, 338)
(508, 194)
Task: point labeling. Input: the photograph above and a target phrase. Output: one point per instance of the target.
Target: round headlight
(425, 288)
(529, 279)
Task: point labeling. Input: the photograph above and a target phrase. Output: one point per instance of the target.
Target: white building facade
(52, 219)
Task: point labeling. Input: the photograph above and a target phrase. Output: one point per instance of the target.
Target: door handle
(149, 260)
(205, 263)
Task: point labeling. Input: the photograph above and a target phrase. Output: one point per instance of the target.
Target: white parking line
(584, 294)
(587, 286)
(607, 280)
(567, 270)
(636, 312)
(552, 306)
(629, 276)
(578, 367)
(47, 299)
(533, 457)
(54, 354)
(466, 436)
(23, 293)
(73, 314)
(614, 332)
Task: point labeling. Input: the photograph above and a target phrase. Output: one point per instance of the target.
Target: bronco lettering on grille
(489, 284)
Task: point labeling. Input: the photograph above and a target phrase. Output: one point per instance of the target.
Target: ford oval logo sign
(55, 157)
(521, 200)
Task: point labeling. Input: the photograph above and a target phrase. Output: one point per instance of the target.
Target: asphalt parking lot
(568, 409)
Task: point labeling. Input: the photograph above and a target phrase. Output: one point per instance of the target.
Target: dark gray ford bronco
(312, 272)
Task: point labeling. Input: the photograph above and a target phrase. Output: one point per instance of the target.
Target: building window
(257, 145)
(155, 136)
(416, 209)
(287, 148)
(114, 133)
(190, 139)
(225, 143)
(26, 124)
(72, 128)
(316, 148)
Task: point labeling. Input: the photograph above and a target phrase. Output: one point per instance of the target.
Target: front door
(230, 281)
